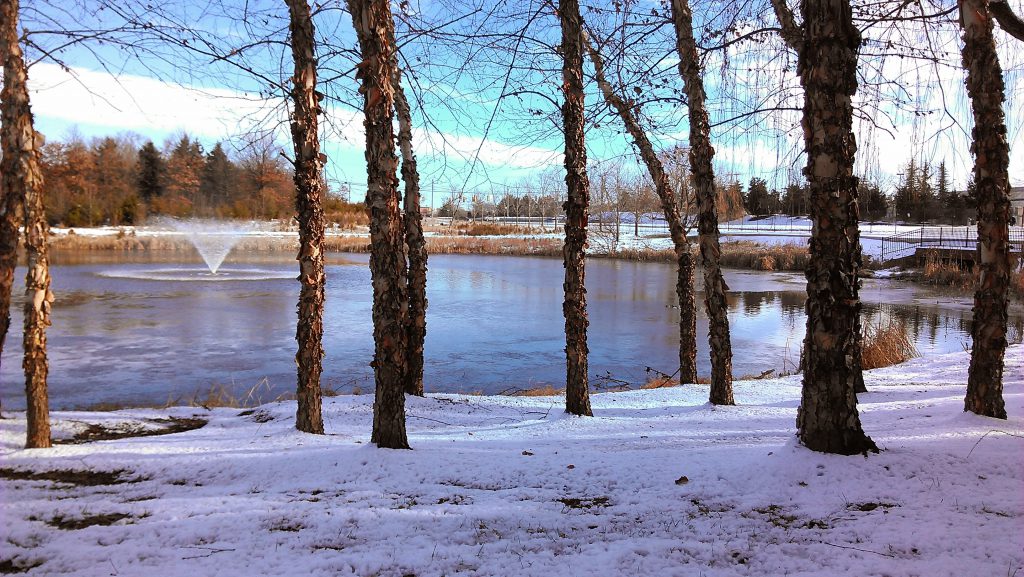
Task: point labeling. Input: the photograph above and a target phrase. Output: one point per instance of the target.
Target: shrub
(885, 345)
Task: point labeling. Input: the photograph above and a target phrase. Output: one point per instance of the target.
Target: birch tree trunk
(827, 419)
(375, 29)
(684, 253)
(414, 241)
(23, 187)
(574, 308)
(701, 154)
(991, 179)
(309, 190)
(12, 193)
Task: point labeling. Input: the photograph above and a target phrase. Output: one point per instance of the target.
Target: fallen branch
(857, 549)
(987, 434)
(211, 550)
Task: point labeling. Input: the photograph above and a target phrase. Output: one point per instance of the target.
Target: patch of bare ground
(99, 432)
(15, 566)
(76, 523)
(584, 503)
(81, 478)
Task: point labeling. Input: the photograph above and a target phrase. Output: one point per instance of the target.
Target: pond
(123, 334)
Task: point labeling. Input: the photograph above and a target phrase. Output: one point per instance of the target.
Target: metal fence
(954, 237)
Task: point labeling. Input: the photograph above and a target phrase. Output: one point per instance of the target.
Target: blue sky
(160, 93)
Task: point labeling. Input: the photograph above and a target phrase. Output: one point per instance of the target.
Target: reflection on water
(494, 323)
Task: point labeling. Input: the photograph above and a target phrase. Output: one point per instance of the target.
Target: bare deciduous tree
(670, 207)
(701, 154)
(827, 45)
(374, 26)
(23, 188)
(309, 191)
(577, 394)
(991, 181)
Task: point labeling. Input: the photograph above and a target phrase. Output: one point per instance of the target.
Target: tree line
(115, 181)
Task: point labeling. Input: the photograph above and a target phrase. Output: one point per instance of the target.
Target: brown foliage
(776, 257)
(886, 345)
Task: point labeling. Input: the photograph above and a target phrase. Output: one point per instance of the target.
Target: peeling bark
(684, 252)
(701, 154)
(309, 191)
(12, 194)
(415, 243)
(991, 177)
(827, 419)
(574, 308)
(23, 188)
(375, 29)
(792, 34)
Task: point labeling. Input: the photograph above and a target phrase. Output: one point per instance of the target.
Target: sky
(466, 144)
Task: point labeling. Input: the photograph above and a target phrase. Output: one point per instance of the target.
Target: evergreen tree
(906, 193)
(756, 199)
(925, 205)
(873, 200)
(113, 175)
(216, 183)
(794, 200)
(151, 172)
(184, 170)
(952, 208)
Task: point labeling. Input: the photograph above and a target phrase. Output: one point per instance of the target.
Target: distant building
(1017, 205)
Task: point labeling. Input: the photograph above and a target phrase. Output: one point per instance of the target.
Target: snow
(513, 486)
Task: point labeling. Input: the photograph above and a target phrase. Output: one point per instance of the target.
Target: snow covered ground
(657, 483)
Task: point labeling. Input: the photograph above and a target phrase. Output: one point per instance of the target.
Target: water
(212, 238)
(123, 334)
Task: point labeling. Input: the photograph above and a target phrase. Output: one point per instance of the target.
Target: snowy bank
(657, 483)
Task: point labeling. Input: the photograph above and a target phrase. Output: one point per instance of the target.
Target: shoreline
(745, 254)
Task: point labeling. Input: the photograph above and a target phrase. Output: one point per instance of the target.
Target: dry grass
(490, 229)
(221, 395)
(948, 273)
(643, 254)
(502, 246)
(541, 391)
(659, 383)
(776, 257)
(942, 272)
(886, 345)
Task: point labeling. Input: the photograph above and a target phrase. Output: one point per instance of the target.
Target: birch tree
(827, 45)
(701, 155)
(23, 189)
(574, 308)
(309, 191)
(991, 180)
(415, 243)
(375, 30)
(670, 207)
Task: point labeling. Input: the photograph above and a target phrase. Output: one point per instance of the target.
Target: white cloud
(107, 105)
(145, 105)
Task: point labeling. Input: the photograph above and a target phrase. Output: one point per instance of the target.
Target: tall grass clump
(943, 272)
(884, 345)
(776, 257)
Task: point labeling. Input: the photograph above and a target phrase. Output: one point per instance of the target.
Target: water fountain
(213, 240)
